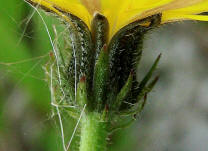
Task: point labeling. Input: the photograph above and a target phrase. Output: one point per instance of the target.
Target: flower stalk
(94, 133)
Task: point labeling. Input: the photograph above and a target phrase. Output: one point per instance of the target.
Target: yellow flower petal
(92, 5)
(122, 12)
(169, 17)
(74, 7)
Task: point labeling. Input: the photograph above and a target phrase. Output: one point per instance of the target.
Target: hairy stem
(93, 132)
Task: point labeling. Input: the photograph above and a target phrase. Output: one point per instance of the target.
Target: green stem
(93, 132)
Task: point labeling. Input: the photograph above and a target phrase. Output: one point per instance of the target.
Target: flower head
(122, 12)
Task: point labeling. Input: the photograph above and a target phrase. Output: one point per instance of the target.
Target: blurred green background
(176, 117)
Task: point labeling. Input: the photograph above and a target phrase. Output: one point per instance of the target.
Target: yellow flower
(122, 12)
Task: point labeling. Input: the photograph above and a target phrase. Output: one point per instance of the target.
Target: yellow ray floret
(122, 12)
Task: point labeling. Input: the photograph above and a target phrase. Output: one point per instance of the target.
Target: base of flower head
(102, 74)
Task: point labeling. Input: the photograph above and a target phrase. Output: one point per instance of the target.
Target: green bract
(101, 75)
(104, 73)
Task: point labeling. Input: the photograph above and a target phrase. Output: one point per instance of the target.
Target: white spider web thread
(66, 148)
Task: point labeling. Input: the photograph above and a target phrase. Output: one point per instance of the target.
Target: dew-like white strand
(65, 106)
(27, 73)
(75, 68)
(62, 128)
(26, 25)
(50, 39)
(59, 76)
(57, 108)
(55, 46)
(23, 61)
(75, 129)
